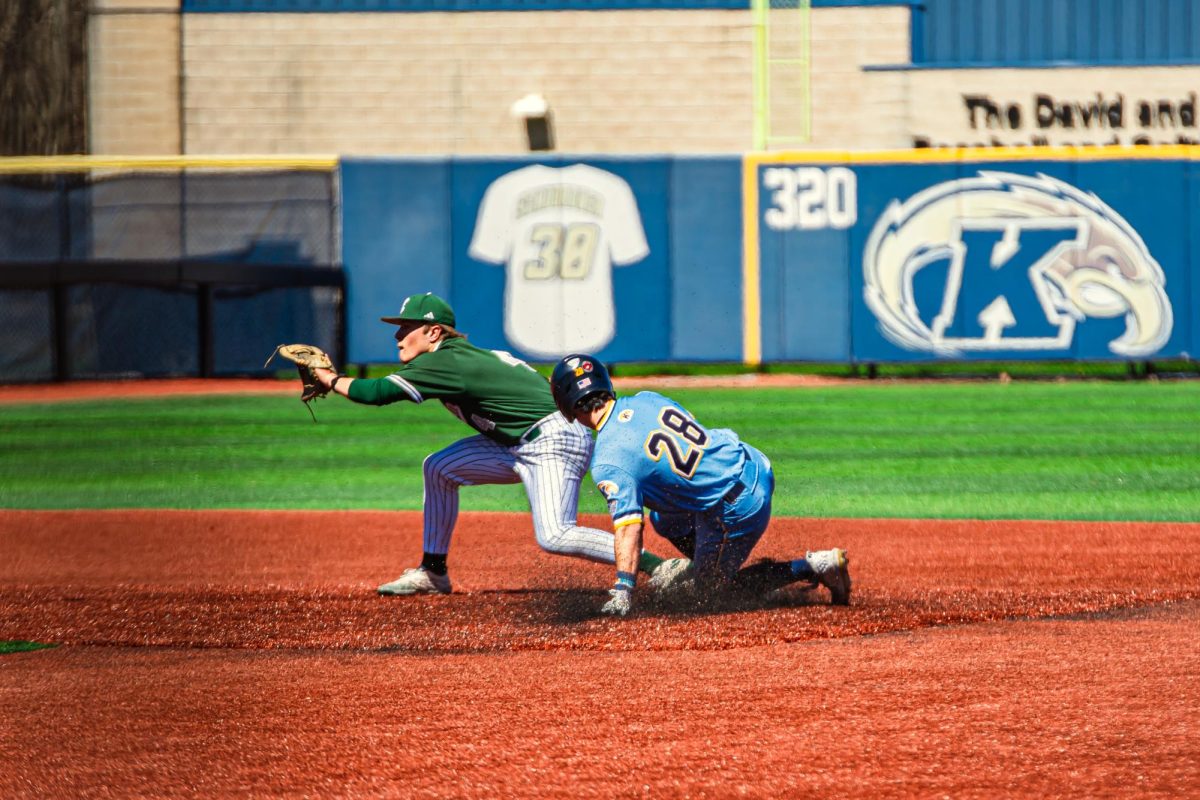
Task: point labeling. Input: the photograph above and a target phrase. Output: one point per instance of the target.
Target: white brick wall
(630, 82)
(853, 109)
(133, 80)
(617, 81)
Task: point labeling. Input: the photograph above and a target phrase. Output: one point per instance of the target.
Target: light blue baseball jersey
(650, 452)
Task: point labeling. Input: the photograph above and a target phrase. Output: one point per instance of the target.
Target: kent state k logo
(1010, 262)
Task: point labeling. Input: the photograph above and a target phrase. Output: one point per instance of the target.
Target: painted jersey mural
(560, 231)
(1014, 262)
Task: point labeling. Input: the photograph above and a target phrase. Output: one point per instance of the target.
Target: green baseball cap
(426, 307)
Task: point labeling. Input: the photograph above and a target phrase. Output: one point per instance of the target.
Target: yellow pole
(751, 297)
(761, 84)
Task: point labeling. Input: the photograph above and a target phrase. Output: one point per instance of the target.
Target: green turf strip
(1041, 450)
(21, 647)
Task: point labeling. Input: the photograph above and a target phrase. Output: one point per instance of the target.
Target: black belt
(734, 493)
(530, 434)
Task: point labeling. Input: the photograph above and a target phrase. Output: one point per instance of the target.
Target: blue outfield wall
(1014, 255)
(630, 258)
(885, 257)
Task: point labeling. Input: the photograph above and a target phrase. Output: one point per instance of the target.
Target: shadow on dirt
(574, 606)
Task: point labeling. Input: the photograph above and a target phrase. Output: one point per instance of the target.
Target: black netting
(261, 218)
(280, 316)
(32, 221)
(165, 273)
(287, 220)
(27, 334)
(130, 331)
(137, 217)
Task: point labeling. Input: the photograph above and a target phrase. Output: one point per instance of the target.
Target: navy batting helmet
(576, 377)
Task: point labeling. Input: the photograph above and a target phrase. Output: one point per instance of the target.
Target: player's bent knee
(430, 466)
(557, 540)
(434, 469)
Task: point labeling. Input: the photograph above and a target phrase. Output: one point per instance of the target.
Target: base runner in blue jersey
(519, 438)
(708, 492)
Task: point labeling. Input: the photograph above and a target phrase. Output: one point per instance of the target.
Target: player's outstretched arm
(627, 547)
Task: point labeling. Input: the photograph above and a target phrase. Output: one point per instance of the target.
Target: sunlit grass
(1074, 450)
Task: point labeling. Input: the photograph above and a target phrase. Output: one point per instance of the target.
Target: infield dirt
(246, 654)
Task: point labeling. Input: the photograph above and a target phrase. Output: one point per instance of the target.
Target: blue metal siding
(1129, 39)
(1016, 32)
(1154, 27)
(1060, 33)
(988, 32)
(1179, 29)
(1012, 45)
(1086, 16)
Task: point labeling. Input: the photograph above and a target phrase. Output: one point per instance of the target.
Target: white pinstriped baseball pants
(552, 467)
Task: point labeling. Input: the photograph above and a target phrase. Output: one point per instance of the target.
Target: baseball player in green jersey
(521, 438)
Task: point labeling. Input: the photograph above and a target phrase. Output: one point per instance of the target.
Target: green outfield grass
(21, 647)
(1119, 450)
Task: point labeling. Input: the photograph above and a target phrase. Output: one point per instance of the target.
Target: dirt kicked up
(246, 654)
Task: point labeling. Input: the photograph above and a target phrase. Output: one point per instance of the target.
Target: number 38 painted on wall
(810, 198)
(565, 251)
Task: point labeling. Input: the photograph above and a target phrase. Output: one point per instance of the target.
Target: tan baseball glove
(306, 357)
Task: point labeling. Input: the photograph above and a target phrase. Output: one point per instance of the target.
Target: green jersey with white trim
(496, 394)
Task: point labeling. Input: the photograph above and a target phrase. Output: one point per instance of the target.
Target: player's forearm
(627, 547)
(336, 383)
(370, 391)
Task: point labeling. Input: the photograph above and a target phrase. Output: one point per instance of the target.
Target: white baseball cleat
(417, 580)
(672, 576)
(832, 570)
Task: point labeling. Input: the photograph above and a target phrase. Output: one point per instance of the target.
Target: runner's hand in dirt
(620, 603)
